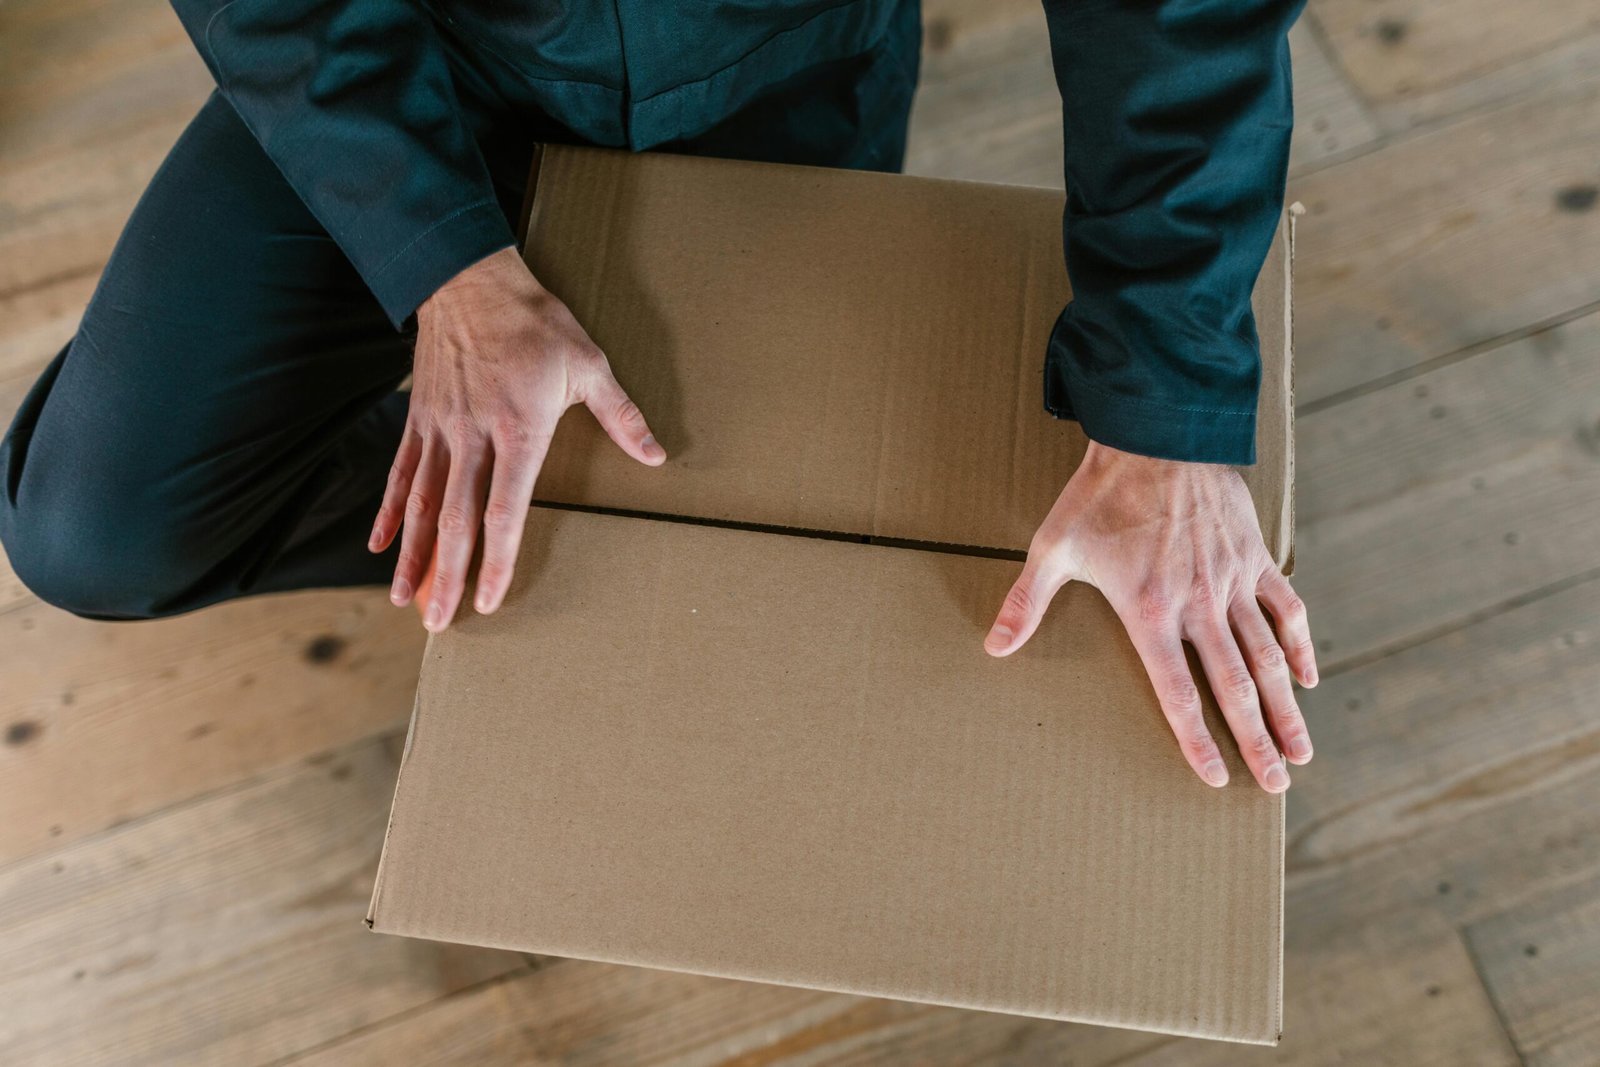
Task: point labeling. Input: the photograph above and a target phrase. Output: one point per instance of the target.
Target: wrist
(488, 281)
(1104, 457)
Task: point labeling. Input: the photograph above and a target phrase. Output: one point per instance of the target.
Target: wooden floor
(191, 810)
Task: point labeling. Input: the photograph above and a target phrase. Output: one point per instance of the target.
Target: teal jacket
(1177, 118)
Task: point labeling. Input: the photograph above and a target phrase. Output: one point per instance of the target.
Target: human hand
(1176, 549)
(498, 360)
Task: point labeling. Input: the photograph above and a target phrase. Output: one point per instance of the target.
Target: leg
(224, 419)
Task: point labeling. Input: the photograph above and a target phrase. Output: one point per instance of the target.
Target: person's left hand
(1176, 549)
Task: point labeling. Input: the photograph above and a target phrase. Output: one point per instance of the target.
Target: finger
(1023, 608)
(621, 418)
(1236, 693)
(518, 456)
(393, 509)
(1271, 671)
(459, 516)
(1155, 637)
(1294, 631)
(422, 511)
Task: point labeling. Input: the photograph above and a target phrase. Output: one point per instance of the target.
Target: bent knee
(95, 558)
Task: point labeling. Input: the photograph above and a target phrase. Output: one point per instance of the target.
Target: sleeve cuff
(438, 254)
(1132, 424)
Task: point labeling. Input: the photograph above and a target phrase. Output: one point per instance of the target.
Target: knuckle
(1270, 657)
(1289, 718)
(1182, 697)
(1237, 685)
(1205, 592)
(588, 357)
(418, 506)
(462, 431)
(523, 452)
(1020, 600)
(1292, 604)
(1263, 746)
(1190, 728)
(1156, 606)
(500, 516)
(454, 520)
(1198, 741)
(626, 411)
(512, 434)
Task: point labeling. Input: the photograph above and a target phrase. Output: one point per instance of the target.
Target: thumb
(1022, 611)
(621, 418)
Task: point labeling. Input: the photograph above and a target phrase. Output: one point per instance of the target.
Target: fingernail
(1300, 748)
(651, 448)
(1311, 678)
(1277, 779)
(435, 615)
(372, 540)
(483, 603)
(400, 592)
(1216, 773)
(1000, 637)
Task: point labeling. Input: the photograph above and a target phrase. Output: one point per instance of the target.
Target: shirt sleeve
(1177, 115)
(353, 100)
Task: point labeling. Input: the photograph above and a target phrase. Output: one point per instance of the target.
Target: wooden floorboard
(1431, 500)
(226, 930)
(110, 722)
(92, 94)
(1539, 961)
(1395, 51)
(583, 1014)
(1427, 1009)
(1423, 741)
(42, 318)
(192, 809)
(1339, 1010)
(1444, 239)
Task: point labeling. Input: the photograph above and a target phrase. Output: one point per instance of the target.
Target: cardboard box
(735, 717)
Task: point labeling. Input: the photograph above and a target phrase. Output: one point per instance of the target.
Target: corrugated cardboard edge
(528, 196)
(1296, 209)
(1280, 842)
(1086, 1020)
(399, 780)
(1294, 212)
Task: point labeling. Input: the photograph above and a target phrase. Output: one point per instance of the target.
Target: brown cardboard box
(762, 740)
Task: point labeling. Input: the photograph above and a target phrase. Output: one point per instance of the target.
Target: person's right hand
(498, 360)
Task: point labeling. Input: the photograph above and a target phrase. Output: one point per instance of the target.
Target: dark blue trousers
(223, 422)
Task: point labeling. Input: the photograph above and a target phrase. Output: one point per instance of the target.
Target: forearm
(1176, 133)
(353, 100)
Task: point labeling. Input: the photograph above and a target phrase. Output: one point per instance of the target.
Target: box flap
(835, 350)
(788, 759)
